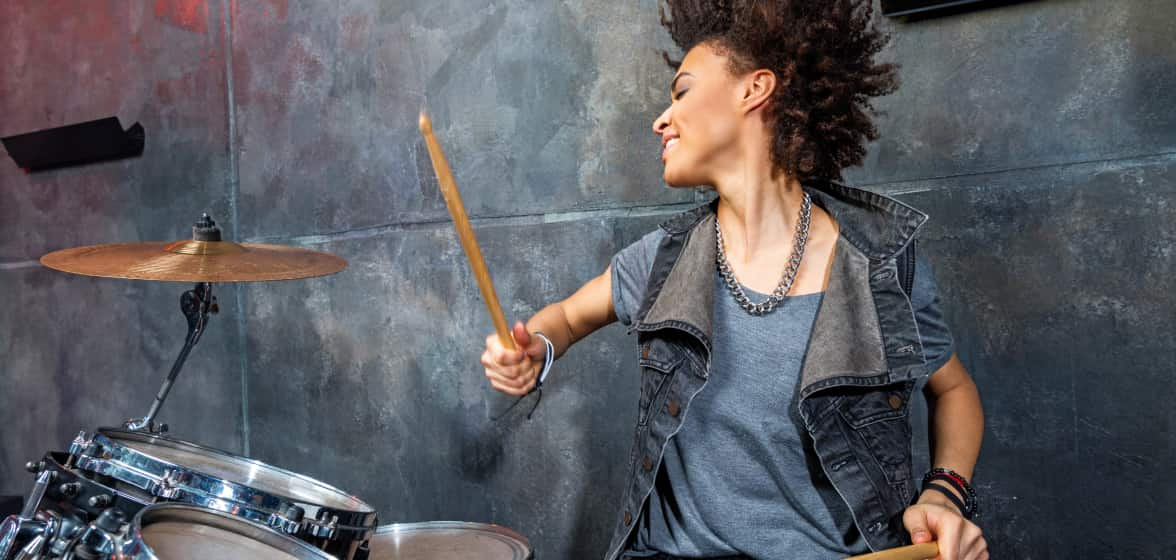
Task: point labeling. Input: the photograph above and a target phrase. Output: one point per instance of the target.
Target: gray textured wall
(76, 352)
(1039, 136)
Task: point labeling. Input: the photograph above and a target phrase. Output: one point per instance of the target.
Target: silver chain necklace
(777, 295)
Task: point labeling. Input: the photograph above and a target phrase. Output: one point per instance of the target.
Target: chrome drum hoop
(284, 500)
(200, 533)
(9, 531)
(448, 539)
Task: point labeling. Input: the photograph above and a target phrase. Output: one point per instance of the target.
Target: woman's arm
(564, 322)
(957, 419)
(957, 427)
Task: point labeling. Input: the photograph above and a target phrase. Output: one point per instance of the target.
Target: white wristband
(548, 359)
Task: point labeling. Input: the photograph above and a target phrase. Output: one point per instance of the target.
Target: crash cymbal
(205, 258)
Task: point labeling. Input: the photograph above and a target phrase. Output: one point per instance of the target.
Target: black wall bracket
(75, 144)
(921, 9)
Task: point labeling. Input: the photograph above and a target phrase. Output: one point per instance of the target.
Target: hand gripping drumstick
(465, 232)
(913, 552)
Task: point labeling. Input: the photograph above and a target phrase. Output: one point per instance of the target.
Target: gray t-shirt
(740, 476)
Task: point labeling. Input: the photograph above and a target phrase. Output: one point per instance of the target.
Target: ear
(758, 87)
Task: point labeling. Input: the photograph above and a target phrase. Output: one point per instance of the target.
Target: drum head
(183, 532)
(435, 540)
(238, 470)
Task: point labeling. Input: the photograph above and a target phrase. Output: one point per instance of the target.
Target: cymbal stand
(197, 304)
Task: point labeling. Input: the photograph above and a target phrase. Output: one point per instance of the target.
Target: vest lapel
(846, 339)
(686, 297)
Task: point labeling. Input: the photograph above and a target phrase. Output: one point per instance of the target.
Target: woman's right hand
(514, 372)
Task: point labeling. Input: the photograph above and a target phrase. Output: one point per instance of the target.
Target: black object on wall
(75, 144)
(932, 8)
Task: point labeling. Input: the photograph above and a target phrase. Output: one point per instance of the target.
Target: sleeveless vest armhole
(906, 268)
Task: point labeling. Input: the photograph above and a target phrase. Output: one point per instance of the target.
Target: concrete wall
(1038, 135)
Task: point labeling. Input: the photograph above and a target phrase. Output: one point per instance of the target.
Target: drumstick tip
(425, 124)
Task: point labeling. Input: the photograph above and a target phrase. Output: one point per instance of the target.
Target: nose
(662, 121)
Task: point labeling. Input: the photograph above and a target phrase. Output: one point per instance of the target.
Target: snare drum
(178, 471)
(448, 540)
(183, 532)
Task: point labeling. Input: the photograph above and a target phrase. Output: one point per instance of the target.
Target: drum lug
(100, 538)
(167, 488)
(322, 528)
(289, 522)
(79, 444)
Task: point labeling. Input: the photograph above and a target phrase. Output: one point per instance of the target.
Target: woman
(773, 414)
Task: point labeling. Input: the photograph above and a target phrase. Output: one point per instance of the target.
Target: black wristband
(955, 480)
(955, 500)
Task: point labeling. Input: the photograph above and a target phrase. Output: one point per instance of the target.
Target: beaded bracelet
(971, 505)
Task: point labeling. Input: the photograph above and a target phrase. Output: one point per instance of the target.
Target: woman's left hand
(934, 518)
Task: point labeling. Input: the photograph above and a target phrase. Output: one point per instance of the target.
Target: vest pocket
(656, 372)
(880, 427)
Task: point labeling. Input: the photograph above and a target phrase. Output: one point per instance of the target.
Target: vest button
(674, 408)
(645, 351)
(628, 518)
(895, 402)
(647, 464)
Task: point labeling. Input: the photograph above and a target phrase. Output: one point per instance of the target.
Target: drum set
(134, 493)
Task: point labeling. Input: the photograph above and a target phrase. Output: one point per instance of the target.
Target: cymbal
(195, 260)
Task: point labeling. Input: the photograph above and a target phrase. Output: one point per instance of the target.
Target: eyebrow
(675, 81)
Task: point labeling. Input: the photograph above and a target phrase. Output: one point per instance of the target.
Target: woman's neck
(758, 211)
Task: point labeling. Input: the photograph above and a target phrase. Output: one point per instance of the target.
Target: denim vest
(863, 361)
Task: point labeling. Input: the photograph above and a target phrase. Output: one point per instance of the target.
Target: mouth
(669, 145)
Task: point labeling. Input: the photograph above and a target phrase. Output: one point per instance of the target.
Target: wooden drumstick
(465, 233)
(912, 552)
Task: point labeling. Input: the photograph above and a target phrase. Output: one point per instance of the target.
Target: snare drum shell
(446, 540)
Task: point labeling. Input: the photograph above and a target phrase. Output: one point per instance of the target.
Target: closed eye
(679, 95)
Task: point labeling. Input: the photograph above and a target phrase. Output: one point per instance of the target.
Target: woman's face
(700, 127)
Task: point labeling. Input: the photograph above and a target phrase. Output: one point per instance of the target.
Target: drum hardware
(156, 467)
(197, 305)
(101, 538)
(289, 521)
(24, 531)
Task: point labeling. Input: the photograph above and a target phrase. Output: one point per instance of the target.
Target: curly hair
(822, 52)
